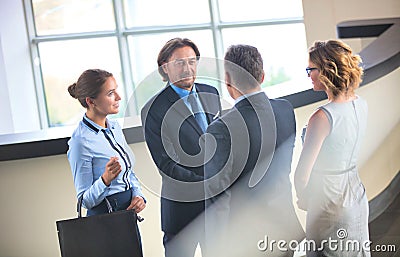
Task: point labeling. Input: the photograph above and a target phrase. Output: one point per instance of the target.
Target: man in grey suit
(247, 176)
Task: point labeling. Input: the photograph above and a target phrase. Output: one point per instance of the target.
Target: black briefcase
(104, 235)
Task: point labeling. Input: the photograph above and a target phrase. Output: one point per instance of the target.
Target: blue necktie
(198, 113)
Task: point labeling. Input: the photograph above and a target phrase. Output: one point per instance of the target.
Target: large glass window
(282, 48)
(140, 13)
(62, 62)
(72, 16)
(258, 10)
(125, 36)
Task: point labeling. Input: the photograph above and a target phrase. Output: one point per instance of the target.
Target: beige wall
(34, 193)
(321, 17)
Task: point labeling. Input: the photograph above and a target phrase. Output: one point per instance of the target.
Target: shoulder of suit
(281, 103)
(205, 87)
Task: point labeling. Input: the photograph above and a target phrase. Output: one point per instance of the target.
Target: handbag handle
(79, 206)
(109, 207)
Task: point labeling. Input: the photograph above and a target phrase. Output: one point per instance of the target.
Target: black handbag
(104, 235)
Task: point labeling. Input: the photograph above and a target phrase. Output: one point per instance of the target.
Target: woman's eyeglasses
(308, 70)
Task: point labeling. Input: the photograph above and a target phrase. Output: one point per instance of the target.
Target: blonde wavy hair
(339, 68)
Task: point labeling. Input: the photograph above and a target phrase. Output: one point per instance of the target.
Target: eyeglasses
(183, 62)
(308, 70)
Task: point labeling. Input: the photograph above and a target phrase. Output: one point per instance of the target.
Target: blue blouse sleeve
(80, 159)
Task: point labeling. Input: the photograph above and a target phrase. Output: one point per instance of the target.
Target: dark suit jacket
(248, 184)
(172, 136)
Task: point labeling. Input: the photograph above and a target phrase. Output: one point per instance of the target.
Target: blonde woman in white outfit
(326, 179)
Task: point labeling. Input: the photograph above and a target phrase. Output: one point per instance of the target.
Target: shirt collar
(182, 93)
(240, 98)
(94, 126)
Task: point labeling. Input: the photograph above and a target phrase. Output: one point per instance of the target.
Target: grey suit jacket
(247, 178)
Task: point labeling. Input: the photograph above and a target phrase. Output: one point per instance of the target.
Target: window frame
(53, 139)
(122, 33)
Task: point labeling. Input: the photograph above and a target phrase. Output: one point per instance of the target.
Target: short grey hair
(241, 61)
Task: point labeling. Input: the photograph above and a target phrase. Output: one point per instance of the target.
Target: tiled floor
(385, 231)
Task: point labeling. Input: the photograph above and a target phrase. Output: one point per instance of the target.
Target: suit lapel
(181, 109)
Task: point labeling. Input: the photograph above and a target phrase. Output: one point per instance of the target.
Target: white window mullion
(35, 60)
(132, 108)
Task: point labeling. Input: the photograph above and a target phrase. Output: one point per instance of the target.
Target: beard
(185, 81)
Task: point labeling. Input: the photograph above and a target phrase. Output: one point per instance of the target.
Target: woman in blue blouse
(100, 158)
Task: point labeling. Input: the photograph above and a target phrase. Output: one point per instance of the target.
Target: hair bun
(72, 90)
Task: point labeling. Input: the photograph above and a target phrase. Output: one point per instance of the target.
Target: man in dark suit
(174, 121)
(247, 176)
